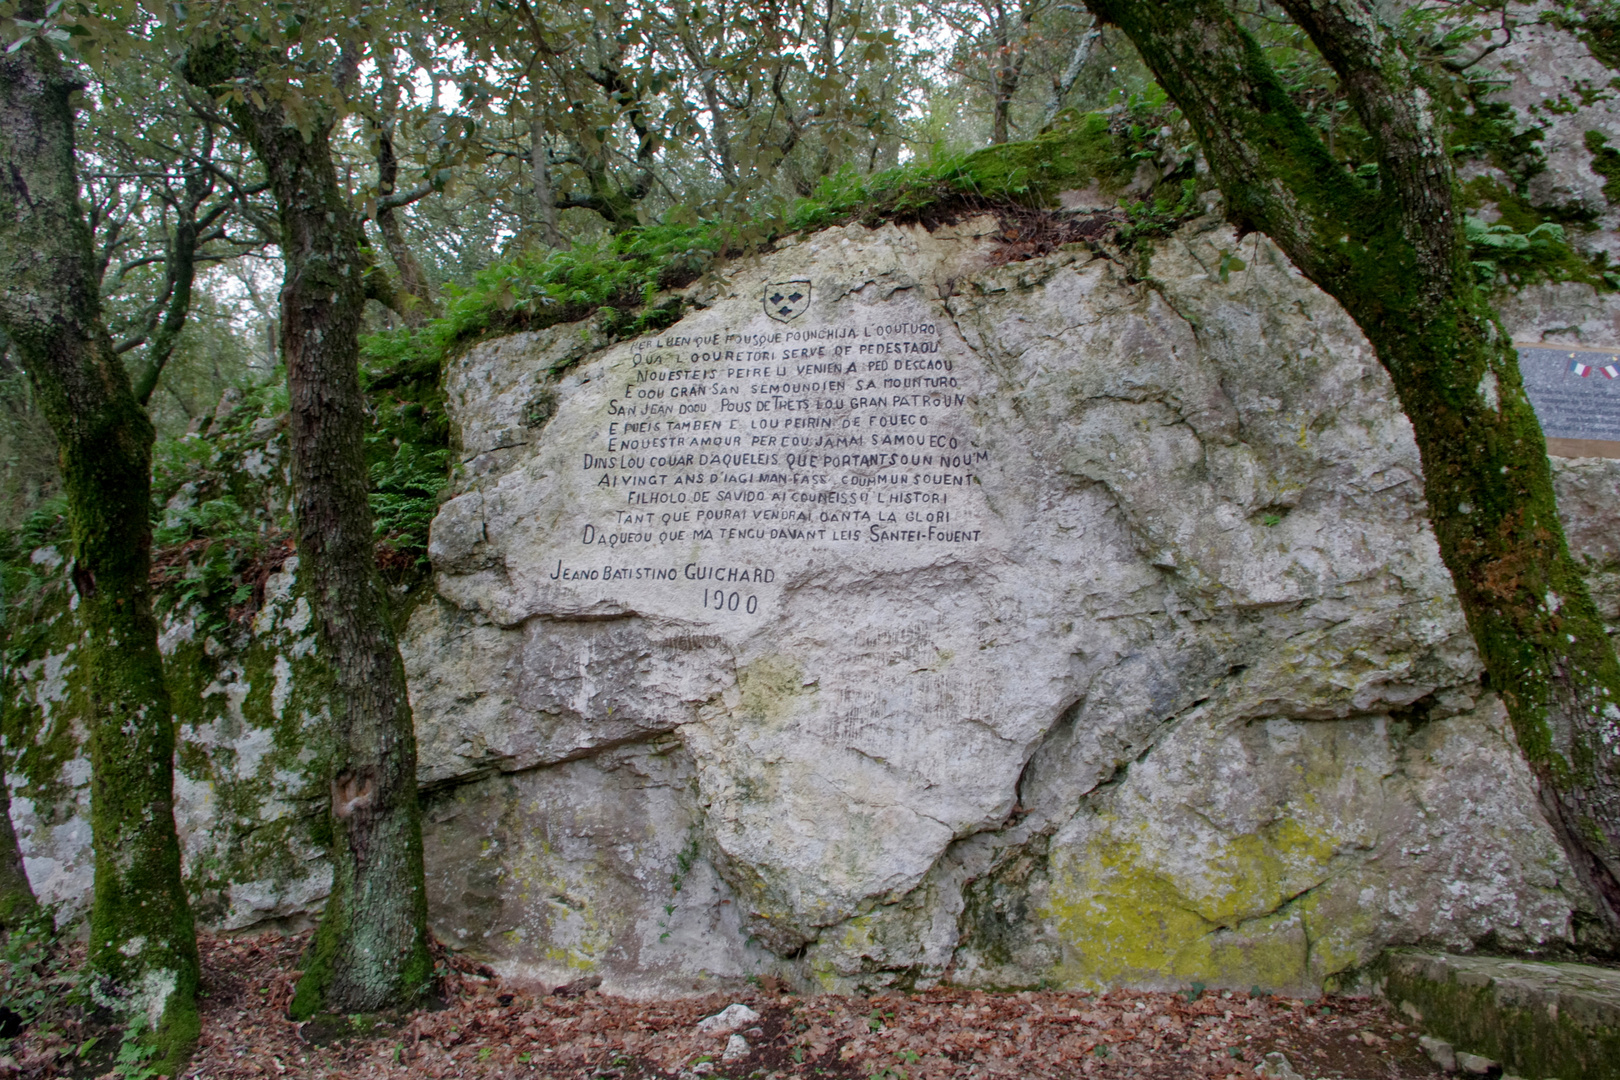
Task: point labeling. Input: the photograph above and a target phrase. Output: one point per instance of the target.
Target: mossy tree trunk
(371, 950)
(1392, 252)
(143, 950)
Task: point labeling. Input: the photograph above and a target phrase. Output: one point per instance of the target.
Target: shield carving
(787, 300)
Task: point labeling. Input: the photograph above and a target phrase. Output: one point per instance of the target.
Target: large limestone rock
(1072, 620)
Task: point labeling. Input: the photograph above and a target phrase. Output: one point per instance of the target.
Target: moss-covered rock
(1539, 1020)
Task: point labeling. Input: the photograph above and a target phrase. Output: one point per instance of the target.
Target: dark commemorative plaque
(1576, 395)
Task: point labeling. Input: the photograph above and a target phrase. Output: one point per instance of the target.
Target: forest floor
(485, 1029)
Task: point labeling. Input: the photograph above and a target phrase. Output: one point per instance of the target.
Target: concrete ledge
(1540, 1020)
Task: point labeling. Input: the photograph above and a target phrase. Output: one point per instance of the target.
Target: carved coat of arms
(787, 300)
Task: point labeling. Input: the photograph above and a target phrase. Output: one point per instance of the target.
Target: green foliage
(621, 276)
(204, 548)
(405, 495)
(1164, 215)
(135, 1059)
(33, 971)
(25, 585)
(46, 524)
(1483, 129)
(1542, 251)
(1075, 154)
(1606, 163)
(408, 445)
(536, 289)
(217, 519)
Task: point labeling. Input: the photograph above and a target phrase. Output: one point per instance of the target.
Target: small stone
(578, 987)
(733, 1017)
(1475, 1065)
(1276, 1066)
(736, 1047)
(1439, 1052)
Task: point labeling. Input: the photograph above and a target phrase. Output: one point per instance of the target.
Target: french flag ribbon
(1583, 369)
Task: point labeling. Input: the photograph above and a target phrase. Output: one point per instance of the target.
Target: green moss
(1596, 22)
(1530, 1037)
(1001, 921)
(234, 692)
(1084, 152)
(1606, 163)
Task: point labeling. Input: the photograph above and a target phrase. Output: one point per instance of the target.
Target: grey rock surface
(1553, 82)
(1440, 1052)
(1534, 1018)
(1556, 91)
(1089, 630)
(1276, 1066)
(1180, 693)
(732, 1018)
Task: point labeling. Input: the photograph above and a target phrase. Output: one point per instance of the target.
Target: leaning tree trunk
(419, 302)
(370, 951)
(1394, 256)
(143, 949)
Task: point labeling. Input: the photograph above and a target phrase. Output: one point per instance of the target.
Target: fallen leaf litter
(486, 1028)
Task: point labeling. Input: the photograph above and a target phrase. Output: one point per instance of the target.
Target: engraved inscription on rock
(723, 458)
(1576, 393)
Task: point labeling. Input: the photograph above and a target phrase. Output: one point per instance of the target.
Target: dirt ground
(486, 1030)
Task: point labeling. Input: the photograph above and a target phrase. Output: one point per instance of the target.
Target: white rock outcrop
(899, 615)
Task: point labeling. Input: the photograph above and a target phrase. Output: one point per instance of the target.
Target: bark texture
(419, 304)
(370, 950)
(540, 172)
(143, 949)
(1392, 252)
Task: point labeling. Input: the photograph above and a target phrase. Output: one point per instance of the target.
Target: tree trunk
(540, 170)
(419, 304)
(720, 128)
(1395, 257)
(370, 950)
(182, 274)
(1003, 85)
(143, 951)
(1063, 84)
